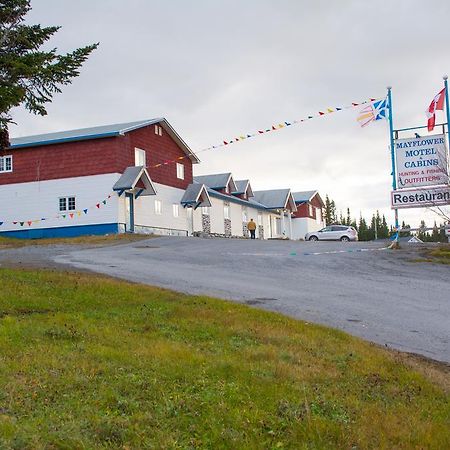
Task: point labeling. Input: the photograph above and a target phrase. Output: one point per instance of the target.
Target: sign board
(420, 198)
(421, 161)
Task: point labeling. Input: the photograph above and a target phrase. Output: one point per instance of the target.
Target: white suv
(333, 233)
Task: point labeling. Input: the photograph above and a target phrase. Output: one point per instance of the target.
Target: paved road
(379, 295)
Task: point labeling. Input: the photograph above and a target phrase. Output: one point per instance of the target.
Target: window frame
(205, 210)
(158, 207)
(180, 171)
(3, 163)
(226, 211)
(176, 210)
(67, 203)
(141, 152)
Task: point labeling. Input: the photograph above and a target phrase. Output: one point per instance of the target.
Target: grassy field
(6, 242)
(93, 363)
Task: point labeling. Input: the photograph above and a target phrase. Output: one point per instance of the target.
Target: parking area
(362, 288)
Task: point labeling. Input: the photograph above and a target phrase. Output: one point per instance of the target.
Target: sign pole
(447, 106)
(391, 134)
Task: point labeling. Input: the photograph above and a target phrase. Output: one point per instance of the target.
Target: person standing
(251, 226)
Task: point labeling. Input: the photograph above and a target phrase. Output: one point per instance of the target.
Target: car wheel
(345, 239)
(313, 238)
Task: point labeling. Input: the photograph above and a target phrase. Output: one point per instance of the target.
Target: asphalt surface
(374, 293)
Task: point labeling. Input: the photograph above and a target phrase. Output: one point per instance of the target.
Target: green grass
(6, 242)
(94, 363)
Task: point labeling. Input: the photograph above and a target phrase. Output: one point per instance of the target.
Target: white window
(205, 210)
(158, 207)
(180, 171)
(227, 189)
(260, 222)
(6, 163)
(67, 203)
(310, 210)
(319, 215)
(158, 130)
(244, 215)
(139, 157)
(226, 210)
(176, 210)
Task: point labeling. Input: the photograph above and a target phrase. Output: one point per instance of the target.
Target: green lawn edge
(92, 362)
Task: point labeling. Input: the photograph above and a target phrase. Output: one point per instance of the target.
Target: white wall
(236, 219)
(216, 216)
(144, 209)
(23, 202)
(303, 225)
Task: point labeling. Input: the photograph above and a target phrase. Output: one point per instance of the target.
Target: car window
(336, 228)
(326, 229)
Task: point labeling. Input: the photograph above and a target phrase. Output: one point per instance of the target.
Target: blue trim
(139, 193)
(68, 139)
(73, 231)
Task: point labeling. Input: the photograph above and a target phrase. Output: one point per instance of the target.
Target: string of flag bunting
(224, 143)
(62, 215)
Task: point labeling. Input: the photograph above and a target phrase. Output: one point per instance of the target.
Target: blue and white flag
(376, 110)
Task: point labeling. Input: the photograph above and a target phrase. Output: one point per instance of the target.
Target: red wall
(158, 149)
(99, 156)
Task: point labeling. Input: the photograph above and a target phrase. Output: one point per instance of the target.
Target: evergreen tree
(422, 233)
(348, 220)
(28, 74)
(435, 235)
(363, 232)
(384, 230)
(405, 233)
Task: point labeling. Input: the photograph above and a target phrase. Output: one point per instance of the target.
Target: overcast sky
(218, 69)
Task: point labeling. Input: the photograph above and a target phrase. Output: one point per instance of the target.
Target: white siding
(216, 215)
(145, 215)
(303, 225)
(24, 202)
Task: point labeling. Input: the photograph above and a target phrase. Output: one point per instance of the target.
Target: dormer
(221, 182)
(243, 189)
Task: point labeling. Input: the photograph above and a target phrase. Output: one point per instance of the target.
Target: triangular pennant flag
(355, 104)
(78, 213)
(1, 223)
(85, 211)
(225, 143)
(71, 215)
(63, 216)
(273, 127)
(15, 223)
(242, 137)
(109, 196)
(268, 129)
(338, 109)
(321, 113)
(310, 117)
(29, 223)
(98, 205)
(43, 218)
(281, 125)
(249, 135)
(104, 202)
(330, 110)
(21, 223)
(287, 123)
(260, 132)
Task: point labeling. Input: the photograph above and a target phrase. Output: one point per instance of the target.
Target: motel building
(132, 177)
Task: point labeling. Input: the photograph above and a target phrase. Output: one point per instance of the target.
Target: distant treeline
(377, 227)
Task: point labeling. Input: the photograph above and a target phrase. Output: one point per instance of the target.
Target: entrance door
(129, 213)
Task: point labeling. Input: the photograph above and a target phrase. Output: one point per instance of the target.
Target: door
(129, 213)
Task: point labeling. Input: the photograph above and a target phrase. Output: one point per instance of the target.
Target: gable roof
(196, 195)
(306, 196)
(276, 199)
(104, 131)
(242, 186)
(230, 198)
(130, 178)
(217, 181)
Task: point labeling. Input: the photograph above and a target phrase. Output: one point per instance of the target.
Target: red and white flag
(436, 104)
